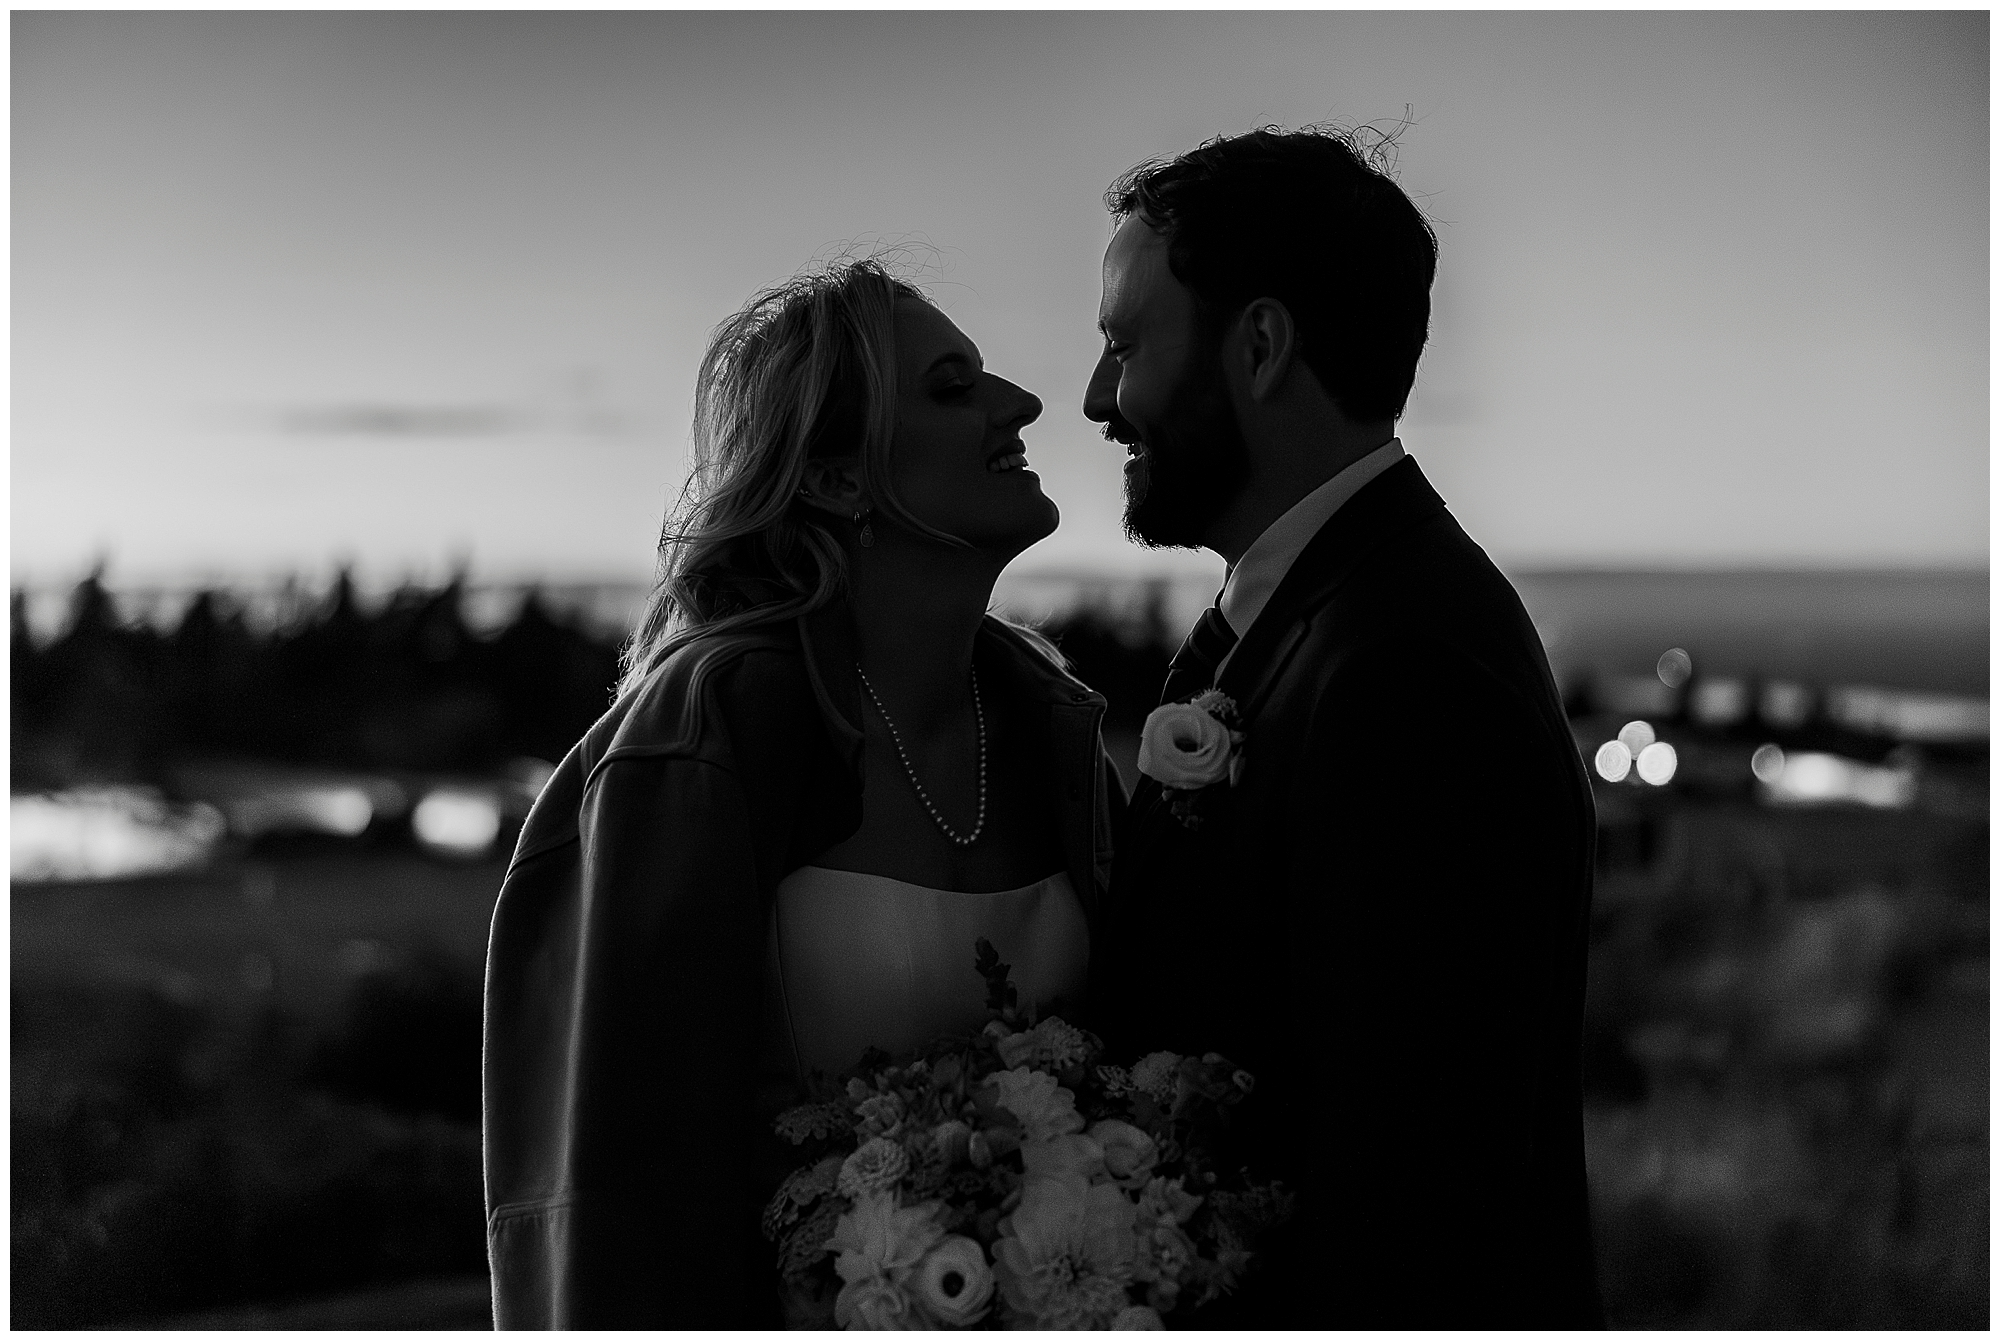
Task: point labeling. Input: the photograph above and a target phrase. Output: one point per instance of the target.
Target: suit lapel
(1394, 502)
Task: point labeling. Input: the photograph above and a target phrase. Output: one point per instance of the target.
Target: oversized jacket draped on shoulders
(626, 1159)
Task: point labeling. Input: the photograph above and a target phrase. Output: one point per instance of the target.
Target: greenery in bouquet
(1007, 1177)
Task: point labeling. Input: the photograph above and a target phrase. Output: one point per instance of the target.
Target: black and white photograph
(1216, 670)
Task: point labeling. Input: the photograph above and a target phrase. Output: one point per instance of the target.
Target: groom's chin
(1144, 527)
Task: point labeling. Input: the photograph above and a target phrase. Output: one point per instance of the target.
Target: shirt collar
(1255, 576)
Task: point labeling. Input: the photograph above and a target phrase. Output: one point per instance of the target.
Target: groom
(1380, 910)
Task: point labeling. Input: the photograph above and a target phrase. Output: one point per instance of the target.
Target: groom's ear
(1266, 343)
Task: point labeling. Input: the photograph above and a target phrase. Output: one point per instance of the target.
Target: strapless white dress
(858, 961)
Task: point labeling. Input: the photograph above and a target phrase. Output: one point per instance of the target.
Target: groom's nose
(1100, 397)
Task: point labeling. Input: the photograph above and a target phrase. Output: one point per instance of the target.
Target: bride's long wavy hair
(807, 368)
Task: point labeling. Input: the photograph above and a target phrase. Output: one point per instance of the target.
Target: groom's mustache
(1117, 430)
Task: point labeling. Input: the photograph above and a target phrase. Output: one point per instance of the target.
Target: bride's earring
(867, 527)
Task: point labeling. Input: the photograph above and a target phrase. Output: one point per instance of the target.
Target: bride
(828, 772)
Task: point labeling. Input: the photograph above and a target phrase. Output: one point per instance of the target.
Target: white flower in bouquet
(1164, 1199)
(1064, 1256)
(1164, 1254)
(879, 1115)
(953, 1141)
(1157, 1074)
(1138, 1318)
(1129, 1154)
(877, 1237)
(877, 1304)
(1053, 1044)
(1044, 1107)
(877, 1246)
(1185, 746)
(953, 1283)
(1063, 1157)
(876, 1166)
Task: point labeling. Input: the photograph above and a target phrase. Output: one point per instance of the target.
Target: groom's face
(1158, 390)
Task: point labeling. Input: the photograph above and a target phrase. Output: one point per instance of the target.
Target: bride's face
(958, 458)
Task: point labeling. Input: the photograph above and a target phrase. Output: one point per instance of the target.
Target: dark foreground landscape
(245, 1091)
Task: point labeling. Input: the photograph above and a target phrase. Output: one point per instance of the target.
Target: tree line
(408, 685)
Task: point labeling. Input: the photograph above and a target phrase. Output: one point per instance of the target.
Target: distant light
(1768, 763)
(1636, 736)
(1637, 695)
(1657, 763)
(1613, 761)
(463, 823)
(1785, 704)
(345, 811)
(106, 833)
(1674, 667)
(1813, 776)
(1932, 718)
(530, 774)
(1810, 777)
(1719, 702)
(342, 810)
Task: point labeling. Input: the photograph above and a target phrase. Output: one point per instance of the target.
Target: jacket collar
(1394, 502)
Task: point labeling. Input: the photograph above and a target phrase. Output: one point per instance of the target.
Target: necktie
(1193, 667)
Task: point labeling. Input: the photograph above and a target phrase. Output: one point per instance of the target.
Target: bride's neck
(917, 616)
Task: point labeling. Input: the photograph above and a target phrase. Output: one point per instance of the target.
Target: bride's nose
(1026, 406)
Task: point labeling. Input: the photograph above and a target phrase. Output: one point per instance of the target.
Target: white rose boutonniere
(1190, 747)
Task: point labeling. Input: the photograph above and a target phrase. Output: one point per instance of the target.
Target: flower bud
(953, 1140)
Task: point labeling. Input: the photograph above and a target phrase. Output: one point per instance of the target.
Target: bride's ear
(833, 484)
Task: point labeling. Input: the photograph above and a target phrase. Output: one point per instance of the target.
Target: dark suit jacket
(1385, 922)
(628, 1151)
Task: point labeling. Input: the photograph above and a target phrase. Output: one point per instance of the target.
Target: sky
(412, 291)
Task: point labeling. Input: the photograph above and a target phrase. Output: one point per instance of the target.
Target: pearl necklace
(979, 715)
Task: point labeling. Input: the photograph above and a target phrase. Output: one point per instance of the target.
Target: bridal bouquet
(1007, 1178)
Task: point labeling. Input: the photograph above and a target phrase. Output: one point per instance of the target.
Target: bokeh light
(106, 833)
(1674, 667)
(460, 823)
(1931, 718)
(345, 811)
(1811, 777)
(1657, 762)
(1767, 764)
(1719, 702)
(1636, 736)
(1613, 761)
(1785, 704)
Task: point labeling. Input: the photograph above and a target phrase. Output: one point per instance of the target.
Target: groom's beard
(1191, 467)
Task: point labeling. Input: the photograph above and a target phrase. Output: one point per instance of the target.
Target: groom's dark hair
(1311, 219)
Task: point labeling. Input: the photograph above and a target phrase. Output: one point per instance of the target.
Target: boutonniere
(1192, 748)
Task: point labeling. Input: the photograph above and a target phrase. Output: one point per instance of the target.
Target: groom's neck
(1287, 462)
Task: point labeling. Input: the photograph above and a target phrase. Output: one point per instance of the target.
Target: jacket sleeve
(621, 1059)
(1430, 949)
